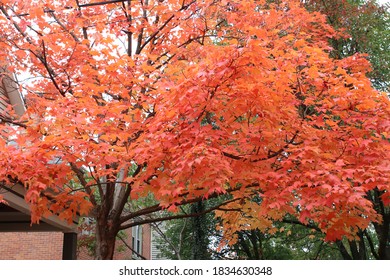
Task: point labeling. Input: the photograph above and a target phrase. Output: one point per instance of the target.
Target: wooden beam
(14, 198)
(26, 227)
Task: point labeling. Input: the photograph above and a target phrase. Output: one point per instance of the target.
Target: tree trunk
(383, 231)
(243, 243)
(343, 250)
(105, 239)
(200, 238)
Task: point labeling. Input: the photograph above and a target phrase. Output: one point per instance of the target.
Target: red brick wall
(147, 242)
(31, 245)
(123, 253)
(48, 246)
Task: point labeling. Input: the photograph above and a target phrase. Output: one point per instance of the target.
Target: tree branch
(166, 239)
(99, 3)
(11, 121)
(49, 70)
(64, 27)
(130, 248)
(80, 175)
(141, 47)
(294, 222)
(168, 218)
(270, 155)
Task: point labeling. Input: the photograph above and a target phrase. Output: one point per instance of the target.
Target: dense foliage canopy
(187, 100)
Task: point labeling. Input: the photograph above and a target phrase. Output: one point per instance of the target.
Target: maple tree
(186, 100)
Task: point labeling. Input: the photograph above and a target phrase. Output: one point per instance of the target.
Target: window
(137, 239)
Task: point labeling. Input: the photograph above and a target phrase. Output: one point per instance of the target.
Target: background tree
(200, 239)
(188, 239)
(291, 241)
(203, 98)
(364, 27)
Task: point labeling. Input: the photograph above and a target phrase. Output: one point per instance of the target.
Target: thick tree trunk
(243, 243)
(114, 197)
(343, 250)
(105, 239)
(383, 231)
(105, 247)
(200, 238)
(256, 239)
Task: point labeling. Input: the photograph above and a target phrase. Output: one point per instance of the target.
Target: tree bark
(383, 231)
(343, 250)
(106, 232)
(200, 242)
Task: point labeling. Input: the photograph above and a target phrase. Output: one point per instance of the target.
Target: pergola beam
(14, 197)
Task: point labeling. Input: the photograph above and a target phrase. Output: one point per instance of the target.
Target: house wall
(31, 245)
(48, 246)
(123, 253)
(155, 236)
(147, 242)
(24, 245)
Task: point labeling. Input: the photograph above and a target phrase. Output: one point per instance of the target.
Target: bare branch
(64, 27)
(83, 182)
(130, 248)
(166, 239)
(294, 222)
(168, 218)
(50, 71)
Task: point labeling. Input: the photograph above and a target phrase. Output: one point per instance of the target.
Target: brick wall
(147, 242)
(31, 245)
(48, 246)
(123, 253)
